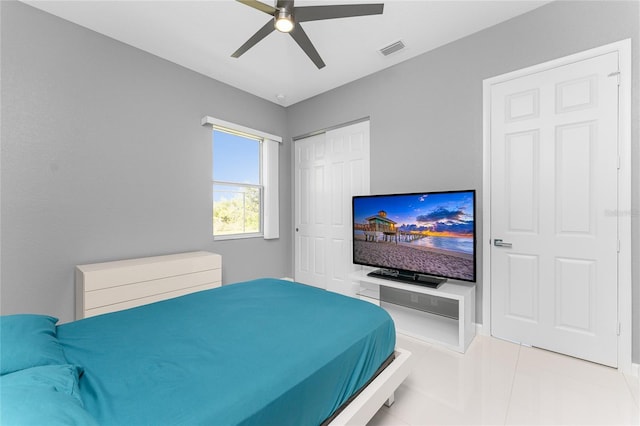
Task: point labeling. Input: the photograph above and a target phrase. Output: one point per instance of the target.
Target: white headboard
(114, 286)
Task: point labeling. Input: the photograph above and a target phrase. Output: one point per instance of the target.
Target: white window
(237, 185)
(244, 181)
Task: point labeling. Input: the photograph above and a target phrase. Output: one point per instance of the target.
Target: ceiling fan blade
(262, 33)
(260, 6)
(317, 13)
(303, 41)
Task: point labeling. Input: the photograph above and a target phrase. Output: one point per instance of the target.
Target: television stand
(452, 331)
(407, 277)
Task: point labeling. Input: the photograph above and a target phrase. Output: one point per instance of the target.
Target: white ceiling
(202, 35)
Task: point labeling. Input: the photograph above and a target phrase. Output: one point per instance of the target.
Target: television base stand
(407, 277)
(420, 318)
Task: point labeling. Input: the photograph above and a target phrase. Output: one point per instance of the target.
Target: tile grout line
(513, 380)
(628, 384)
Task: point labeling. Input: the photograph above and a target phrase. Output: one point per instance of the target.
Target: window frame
(259, 186)
(268, 175)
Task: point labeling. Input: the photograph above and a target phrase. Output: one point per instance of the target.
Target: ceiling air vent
(392, 48)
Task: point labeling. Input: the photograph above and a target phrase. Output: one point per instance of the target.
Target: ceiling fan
(287, 18)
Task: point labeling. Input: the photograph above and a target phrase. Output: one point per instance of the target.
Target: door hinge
(619, 162)
(617, 75)
(619, 331)
(618, 246)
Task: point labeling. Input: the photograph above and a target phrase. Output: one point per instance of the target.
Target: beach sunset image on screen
(429, 233)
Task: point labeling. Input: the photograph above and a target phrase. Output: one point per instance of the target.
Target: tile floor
(501, 383)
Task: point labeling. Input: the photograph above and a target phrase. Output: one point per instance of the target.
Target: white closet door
(554, 197)
(329, 169)
(310, 210)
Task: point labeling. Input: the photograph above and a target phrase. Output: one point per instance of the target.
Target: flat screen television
(422, 238)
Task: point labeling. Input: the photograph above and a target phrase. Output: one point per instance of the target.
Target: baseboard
(287, 278)
(635, 370)
(481, 331)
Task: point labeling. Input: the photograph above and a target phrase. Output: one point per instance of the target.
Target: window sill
(237, 236)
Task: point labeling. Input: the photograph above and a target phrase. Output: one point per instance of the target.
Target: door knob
(499, 243)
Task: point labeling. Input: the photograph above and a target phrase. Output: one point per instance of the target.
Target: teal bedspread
(263, 352)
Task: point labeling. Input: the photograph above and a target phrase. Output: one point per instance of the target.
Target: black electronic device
(419, 238)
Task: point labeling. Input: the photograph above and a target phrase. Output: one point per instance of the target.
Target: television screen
(426, 233)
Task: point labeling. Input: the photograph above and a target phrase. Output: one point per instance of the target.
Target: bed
(261, 352)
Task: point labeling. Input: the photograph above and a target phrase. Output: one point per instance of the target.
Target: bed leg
(390, 400)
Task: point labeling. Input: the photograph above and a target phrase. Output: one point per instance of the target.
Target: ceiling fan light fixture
(284, 21)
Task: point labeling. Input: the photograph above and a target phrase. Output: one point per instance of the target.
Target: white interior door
(310, 210)
(329, 169)
(554, 169)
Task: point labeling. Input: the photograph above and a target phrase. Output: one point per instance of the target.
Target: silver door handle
(499, 243)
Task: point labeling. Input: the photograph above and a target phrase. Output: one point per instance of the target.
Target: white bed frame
(113, 286)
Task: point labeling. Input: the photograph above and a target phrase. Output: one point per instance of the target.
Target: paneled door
(329, 169)
(554, 169)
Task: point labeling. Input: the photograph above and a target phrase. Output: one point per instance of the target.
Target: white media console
(452, 327)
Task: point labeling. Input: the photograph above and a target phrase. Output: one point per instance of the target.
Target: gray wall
(426, 113)
(104, 158)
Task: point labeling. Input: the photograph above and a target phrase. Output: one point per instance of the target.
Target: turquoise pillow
(45, 395)
(28, 340)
